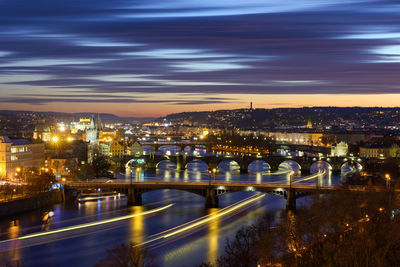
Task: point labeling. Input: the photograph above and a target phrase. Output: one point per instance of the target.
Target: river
(86, 247)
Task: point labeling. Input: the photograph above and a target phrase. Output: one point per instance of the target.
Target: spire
(92, 126)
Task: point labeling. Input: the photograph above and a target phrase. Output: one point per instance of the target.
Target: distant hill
(105, 117)
(351, 117)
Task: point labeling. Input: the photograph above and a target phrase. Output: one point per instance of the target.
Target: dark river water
(86, 246)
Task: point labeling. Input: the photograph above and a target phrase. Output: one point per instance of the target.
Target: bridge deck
(225, 186)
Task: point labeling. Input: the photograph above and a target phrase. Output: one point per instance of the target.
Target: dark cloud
(340, 47)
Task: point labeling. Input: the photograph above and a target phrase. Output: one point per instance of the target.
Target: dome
(42, 127)
(5, 139)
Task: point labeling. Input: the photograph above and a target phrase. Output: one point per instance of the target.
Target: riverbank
(41, 200)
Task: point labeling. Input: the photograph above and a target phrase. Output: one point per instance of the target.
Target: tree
(100, 165)
(126, 255)
(41, 182)
(340, 229)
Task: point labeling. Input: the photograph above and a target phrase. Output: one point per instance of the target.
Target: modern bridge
(211, 191)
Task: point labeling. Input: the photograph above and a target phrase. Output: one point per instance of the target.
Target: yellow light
(214, 170)
(63, 179)
(85, 225)
(55, 139)
(69, 139)
(61, 128)
(213, 217)
(18, 169)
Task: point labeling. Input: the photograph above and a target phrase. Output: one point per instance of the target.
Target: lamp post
(291, 174)
(209, 177)
(387, 176)
(137, 174)
(214, 172)
(130, 183)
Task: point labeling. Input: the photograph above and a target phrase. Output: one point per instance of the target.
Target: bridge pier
(244, 170)
(134, 198)
(291, 200)
(211, 198)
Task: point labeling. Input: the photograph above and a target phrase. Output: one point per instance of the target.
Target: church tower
(92, 137)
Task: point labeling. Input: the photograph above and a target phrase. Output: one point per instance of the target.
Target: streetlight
(387, 176)
(291, 174)
(214, 171)
(55, 139)
(137, 174)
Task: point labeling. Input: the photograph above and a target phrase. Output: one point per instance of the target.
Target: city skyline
(151, 59)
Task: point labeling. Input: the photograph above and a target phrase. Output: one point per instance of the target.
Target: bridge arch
(169, 149)
(136, 162)
(351, 166)
(166, 165)
(320, 166)
(147, 149)
(228, 165)
(290, 165)
(258, 166)
(188, 149)
(197, 165)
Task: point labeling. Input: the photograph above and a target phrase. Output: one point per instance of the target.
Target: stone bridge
(210, 191)
(181, 161)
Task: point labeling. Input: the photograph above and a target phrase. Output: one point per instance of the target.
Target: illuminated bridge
(211, 191)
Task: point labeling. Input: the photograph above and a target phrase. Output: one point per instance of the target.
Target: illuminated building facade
(81, 125)
(136, 149)
(42, 132)
(92, 136)
(339, 149)
(18, 154)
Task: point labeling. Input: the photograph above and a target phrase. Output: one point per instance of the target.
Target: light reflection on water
(137, 226)
(202, 245)
(213, 237)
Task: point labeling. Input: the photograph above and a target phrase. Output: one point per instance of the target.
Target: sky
(150, 58)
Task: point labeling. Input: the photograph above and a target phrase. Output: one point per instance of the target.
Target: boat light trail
(200, 221)
(307, 178)
(219, 214)
(85, 225)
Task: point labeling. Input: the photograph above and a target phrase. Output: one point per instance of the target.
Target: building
(339, 149)
(136, 150)
(104, 149)
(42, 132)
(113, 149)
(296, 138)
(93, 132)
(380, 150)
(81, 125)
(18, 154)
(116, 149)
(92, 136)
